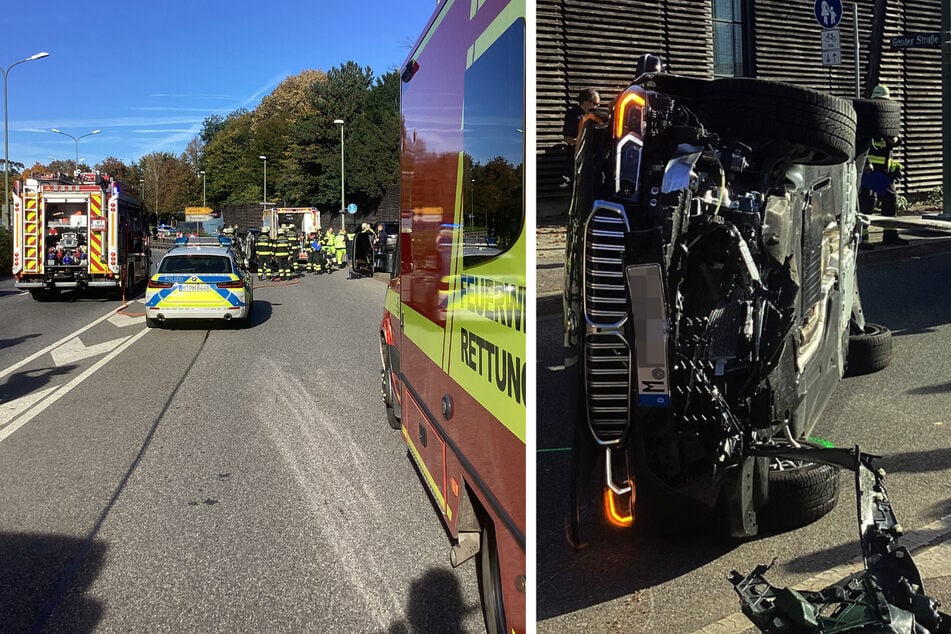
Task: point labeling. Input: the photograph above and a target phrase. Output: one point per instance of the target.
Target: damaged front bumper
(887, 596)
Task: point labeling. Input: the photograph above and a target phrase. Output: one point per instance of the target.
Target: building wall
(584, 44)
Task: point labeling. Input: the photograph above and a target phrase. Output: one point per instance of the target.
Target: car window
(198, 264)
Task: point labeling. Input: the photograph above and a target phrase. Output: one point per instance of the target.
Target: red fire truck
(82, 232)
(453, 334)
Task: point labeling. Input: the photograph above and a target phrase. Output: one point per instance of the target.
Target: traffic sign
(831, 48)
(831, 58)
(828, 13)
(352, 208)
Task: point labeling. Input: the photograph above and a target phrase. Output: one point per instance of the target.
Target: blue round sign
(828, 13)
(352, 208)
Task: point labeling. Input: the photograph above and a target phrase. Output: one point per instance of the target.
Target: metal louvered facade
(583, 44)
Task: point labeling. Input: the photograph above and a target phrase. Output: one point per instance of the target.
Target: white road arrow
(122, 320)
(75, 350)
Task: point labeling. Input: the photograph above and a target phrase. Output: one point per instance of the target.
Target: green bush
(935, 197)
(6, 252)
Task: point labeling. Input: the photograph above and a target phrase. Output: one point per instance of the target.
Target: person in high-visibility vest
(341, 246)
(263, 251)
(879, 176)
(330, 246)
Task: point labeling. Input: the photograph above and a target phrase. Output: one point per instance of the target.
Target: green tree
(117, 169)
(370, 110)
(169, 184)
(231, 162)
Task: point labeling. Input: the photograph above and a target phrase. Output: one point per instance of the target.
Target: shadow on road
(34, 571)
(435, 604)
(28, 381)
(9, 343)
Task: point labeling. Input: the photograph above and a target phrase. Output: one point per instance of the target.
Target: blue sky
(148, 73)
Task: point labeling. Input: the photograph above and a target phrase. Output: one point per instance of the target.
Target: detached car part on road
(886, 596)
(199, 280)
(711, 301)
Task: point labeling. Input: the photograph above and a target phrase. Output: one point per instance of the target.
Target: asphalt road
(632, 581)
(213, 479)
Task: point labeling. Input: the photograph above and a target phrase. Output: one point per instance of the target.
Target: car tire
(679, 85)
(386, 388)
(765, 111)
(152, 323)
(799, 494)
(41, 294)
(490, 582)
(875, 119)
(869, 351)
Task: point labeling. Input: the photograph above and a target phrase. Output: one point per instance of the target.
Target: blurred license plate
(194, 287)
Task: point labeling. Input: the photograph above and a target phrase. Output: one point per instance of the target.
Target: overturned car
(711, 301)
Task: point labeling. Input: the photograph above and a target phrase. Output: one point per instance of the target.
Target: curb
(550, 303)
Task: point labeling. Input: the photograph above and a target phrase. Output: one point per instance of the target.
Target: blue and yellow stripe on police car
(177, 296)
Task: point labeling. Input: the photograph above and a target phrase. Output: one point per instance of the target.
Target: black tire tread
(799, 496)
(869, 351)
(386, 387)
(765, 111)
(877, 118)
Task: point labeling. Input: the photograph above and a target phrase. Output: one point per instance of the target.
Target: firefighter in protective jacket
(879, 176)
(282, 253)
(263, 251)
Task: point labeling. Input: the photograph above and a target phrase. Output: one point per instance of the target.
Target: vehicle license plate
(191, 288)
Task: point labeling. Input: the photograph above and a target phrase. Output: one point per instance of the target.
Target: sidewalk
(925, 238)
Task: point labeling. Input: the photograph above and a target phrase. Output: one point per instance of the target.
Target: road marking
(52, 347)
(75, 350)
(928, 546)
(121, 320)
(9, 411)
(29, 415)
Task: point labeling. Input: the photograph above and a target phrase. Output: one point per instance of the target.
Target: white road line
(51, 347)
(933, 561)
(12, 409)
(42, 405)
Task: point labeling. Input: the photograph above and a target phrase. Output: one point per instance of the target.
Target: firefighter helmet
(881, 91)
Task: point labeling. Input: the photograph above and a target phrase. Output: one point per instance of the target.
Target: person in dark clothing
(588, 99)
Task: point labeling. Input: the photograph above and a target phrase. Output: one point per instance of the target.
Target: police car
(199, 279)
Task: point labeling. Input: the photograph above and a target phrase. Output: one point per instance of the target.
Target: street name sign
(916, 40)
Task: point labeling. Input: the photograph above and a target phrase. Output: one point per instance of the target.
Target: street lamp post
(343, 204)
(202, 174)
(76, 140)
(5, 220)
(472, 202)
(264, 158)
